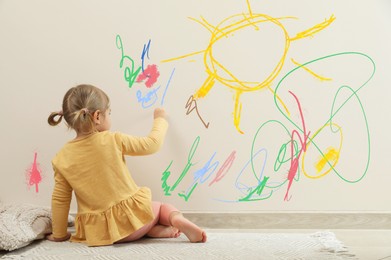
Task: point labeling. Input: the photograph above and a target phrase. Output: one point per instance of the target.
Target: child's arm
(52, 238)
(61, 200)
(132, 145)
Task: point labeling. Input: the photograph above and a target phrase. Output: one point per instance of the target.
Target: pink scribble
(224, 168)
(151, 74)
(34, 174)
(295, 159)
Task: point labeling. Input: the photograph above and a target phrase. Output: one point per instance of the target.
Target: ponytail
(51, 119)
(78, 106)
(82, 121)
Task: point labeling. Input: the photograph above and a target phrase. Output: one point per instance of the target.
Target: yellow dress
(110, 204)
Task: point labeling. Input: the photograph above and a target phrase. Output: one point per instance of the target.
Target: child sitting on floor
(111, 207)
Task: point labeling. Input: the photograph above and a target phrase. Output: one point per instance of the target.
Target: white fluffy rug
(237, 245)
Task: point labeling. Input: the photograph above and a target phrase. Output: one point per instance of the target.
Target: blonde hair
(78, 107)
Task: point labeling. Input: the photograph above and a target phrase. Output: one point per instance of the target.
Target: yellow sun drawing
(218, 72)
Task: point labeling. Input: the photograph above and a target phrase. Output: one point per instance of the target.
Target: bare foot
(194, 233)
(160, 231)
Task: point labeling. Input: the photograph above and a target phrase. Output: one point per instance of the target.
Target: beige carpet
(268, 246)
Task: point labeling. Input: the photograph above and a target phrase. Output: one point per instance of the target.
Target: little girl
(111, 207)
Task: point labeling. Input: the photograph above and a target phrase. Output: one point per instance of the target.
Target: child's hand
(51, 238)
(159, 112)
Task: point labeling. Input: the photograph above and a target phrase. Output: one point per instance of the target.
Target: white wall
(47, 47)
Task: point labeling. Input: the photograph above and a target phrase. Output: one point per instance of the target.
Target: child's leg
(192, 231)
(150, 230)
(171, 216)
(168, 222)
(162, 229)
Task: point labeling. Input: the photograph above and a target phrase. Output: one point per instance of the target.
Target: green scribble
(334, 109)
(258, 190)
(130, 73)
(187, 196)
(167, 189)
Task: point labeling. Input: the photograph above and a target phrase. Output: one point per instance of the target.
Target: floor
(366, 234)
(366, 244)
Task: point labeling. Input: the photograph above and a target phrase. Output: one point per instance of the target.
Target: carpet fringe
(332, 244)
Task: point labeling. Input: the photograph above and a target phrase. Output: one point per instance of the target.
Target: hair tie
(85, 111)
(60, 113)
